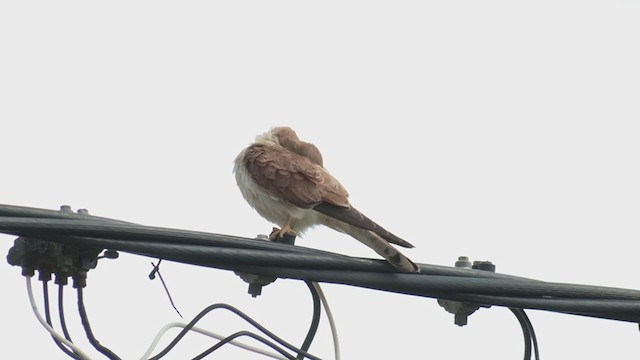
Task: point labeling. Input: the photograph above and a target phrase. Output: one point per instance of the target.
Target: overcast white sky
(505, 131)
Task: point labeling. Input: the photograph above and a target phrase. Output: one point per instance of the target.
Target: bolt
(111, 254)
(484, 265)
(463, 262)
(255, 289)
(460, 319)
(62, 278)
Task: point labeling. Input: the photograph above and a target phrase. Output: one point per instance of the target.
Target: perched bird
(284, 180)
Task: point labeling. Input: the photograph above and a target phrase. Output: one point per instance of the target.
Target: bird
(283, 178)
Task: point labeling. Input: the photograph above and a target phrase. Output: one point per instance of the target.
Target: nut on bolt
(462, 310)
(256, 282)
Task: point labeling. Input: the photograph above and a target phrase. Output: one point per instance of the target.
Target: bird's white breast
(269, 206)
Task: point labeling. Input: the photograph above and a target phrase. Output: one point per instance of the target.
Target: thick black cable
(583, 300)
(221, 257)
(242, 315)
(422, 284)
(235, 259)
(23, 223)
(596, 299)
(63, 322)
(91, 231)
(218, 256)
(620, 310)
(87, 328)
(244, 333)
(29, 212)
(100, 233)
(38, 227)
(221, 251)
(411, 283)
(315, 320)
(47, 316)
(265, 258)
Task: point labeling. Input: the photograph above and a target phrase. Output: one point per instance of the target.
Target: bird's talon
(278, 234)
(275, 233)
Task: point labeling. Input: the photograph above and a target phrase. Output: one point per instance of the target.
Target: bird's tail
(388, 251)
(378, 244)
(352, 216)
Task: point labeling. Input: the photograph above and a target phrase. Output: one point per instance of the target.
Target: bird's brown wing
(293, 177)
(352, 216)
(298, 180)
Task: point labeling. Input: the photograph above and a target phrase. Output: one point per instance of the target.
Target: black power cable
(525, 332)
(242, 315)
(29, 212)
(474, 286)
(244, 333)
(63, 322)
(47, 315)
(295, 262)
(227, 252)
(534, 339)
(87, 328)
(315, 320)
(528, 333)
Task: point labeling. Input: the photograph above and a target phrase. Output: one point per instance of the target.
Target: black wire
(534, 339)
(47, 315)
(315, 320)
(47, 310)
(527, 332)
(87, 328)
(244, 333)
(156, 270)
(63, 322)
(245, 317)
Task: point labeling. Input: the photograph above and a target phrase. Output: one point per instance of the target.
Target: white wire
(332, 324)
(53, 333)
(167, 327)
(323, 300)
(154, 344)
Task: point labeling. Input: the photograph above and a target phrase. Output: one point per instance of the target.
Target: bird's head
(288, 139)
(284, 134)
(276, 134)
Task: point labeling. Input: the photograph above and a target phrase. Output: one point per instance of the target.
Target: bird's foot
(278, 234)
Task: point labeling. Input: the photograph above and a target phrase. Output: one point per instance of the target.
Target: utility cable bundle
(460, 290)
